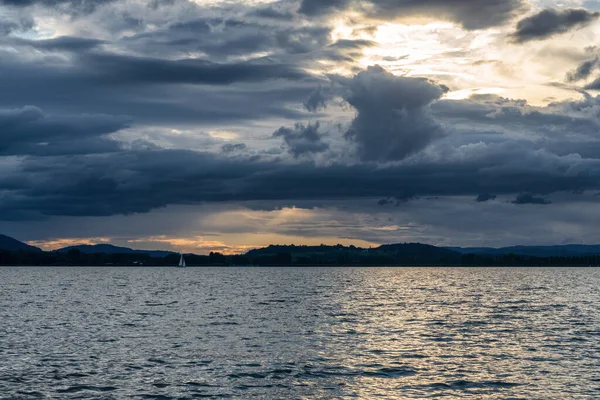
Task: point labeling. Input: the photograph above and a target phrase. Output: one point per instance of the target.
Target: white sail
(181, 262)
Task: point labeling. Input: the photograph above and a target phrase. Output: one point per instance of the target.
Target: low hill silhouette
(10, 244)
(111, 249)
(569, 250)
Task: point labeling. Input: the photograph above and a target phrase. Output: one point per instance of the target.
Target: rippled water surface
(306, 333)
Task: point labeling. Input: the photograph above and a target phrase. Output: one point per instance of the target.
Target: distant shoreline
(298, 266)
(16, 253)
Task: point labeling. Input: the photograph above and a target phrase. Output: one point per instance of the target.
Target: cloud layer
(471, 14)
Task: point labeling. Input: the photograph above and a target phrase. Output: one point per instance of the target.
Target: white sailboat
(181, 262)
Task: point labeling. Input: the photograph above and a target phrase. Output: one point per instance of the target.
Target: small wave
(253, 365)
(464, 384)
(31, 394)
(384, 372)
(148, 314)
(200, 362)
(274, 373)
(157, 361)
(247, 375)
(390, 372)
(70, 376)
(13, 379)
(91, 388)
(197, 384)
(414, 355)
(265, 386)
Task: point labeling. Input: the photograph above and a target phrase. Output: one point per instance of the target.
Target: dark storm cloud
(583, 71)
(233, 147)
(303, 139)
(595, 85)
(484, 197)
(385, 202)
(29, 131)
(316, 101)
(53, 3)
(81, 87)
(113, 68)
(271, 12)
(396, 202)
(471, 14)
(135, 181)
(72, 6)
(393, 117)
(548, 23)
(495, 115)
(320, 7)
(528, 198)
(61, 43)
(222, 38)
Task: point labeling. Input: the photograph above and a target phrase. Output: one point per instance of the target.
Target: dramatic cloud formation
(552, 22)
(301, 121)
(302, 139)
(30, 131)
(583, 71)
(595, 85)
(393, 116)
(316, 101)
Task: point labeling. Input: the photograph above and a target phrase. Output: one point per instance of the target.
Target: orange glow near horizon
(59, 243)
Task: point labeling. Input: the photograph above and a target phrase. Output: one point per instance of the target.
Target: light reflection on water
(166, 333)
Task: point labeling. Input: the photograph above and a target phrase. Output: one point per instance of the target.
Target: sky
(213, 125)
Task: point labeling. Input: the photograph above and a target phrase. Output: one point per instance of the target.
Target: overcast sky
(216, 125)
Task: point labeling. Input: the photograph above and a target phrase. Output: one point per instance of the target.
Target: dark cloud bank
(74, 165)
(548, 23)
(122, 180)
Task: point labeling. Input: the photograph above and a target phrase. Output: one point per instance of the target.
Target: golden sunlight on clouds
(54, 244)
(237, 243)
(466, 93)
(472, 62)
(197, 244)
(225, 135)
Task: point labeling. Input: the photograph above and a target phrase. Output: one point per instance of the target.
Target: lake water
(299, 333)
